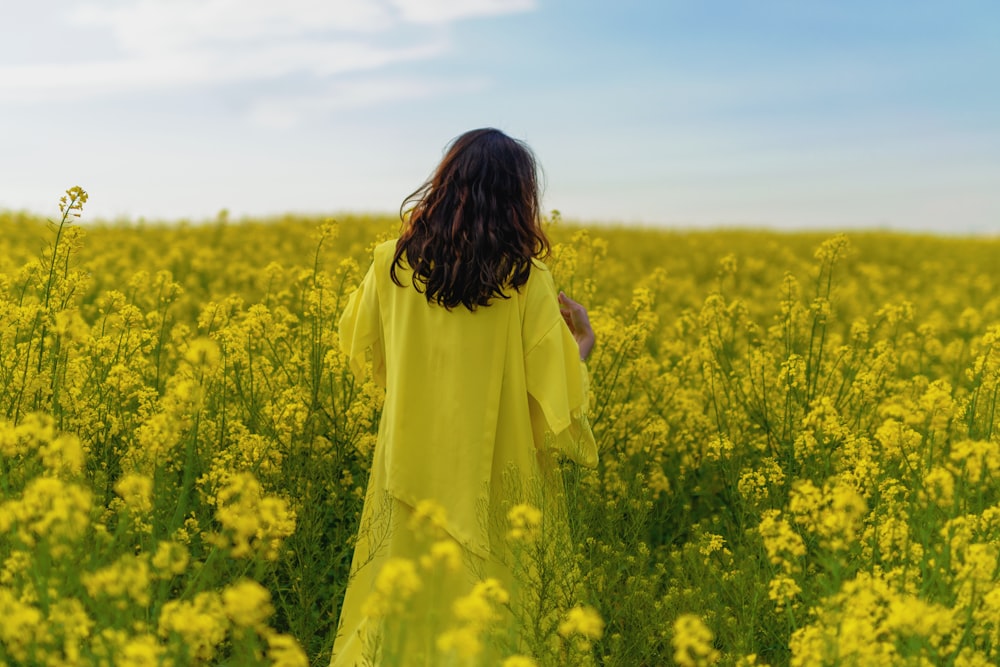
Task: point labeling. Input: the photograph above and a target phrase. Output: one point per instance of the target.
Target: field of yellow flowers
(800, 461)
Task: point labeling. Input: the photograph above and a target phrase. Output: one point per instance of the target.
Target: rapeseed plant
(799, 459)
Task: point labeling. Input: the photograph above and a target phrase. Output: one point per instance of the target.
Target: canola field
(800, 461)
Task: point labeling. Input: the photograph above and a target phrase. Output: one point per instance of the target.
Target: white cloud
(444, 11)
(157, 27)
(72, 80)
(287, 111)
(164, 45)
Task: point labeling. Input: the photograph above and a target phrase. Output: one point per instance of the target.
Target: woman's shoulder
(385, 248)
(538, 264)
(383, 256)
(540, 274)
(540, 289)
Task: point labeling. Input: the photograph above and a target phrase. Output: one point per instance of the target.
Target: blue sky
(787, 114)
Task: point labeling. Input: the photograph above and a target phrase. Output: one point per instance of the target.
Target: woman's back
(478, 400)
(457, 383)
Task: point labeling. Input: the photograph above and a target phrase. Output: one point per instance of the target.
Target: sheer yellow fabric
(470, 397)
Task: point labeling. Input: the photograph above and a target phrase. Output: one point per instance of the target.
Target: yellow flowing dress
(474, 400)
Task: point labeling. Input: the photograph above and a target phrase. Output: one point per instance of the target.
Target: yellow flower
(718, 448)
(463, 640)
(170, 558)
(492, 590)
(474, 610)
(395, 583)
(939, 405)
(203, 353)
(477, 608)
(583, 621)
(284, 651)
(939, 487)
(910, 616)
(782, 589)
(692, 642)
(247, 603)
(137, 492)
(201, 623)
(474, 613)
(975, 572)
(784, 546)
(68, 624)
(21, 626)
(63, 455)
(72, 202)
(519, 661)
(970, 657)
(443, 551)
(49, 509)
(833, 249)
(834, 513)
(254, 524)
(975, 458)
(429, 517)
(658, 481)
(525, 521)
(710, 543)
(141, 651)
(126, 579)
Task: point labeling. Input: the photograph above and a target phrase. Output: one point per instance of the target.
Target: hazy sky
(791, 114)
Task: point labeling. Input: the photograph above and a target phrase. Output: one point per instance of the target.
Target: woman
(481, 361)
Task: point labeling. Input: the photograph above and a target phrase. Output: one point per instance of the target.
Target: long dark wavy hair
(474, 227)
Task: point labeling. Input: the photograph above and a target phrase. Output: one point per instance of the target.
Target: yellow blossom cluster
(583, 622)
(525, 522)
(395, 583)
(799, 449)
(252, 522)
(474, 613)
(692, 642)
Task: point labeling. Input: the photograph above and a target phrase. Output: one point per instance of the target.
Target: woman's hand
(579, 324)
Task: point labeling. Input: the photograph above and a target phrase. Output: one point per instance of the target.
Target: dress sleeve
(558, 381)
(361, 328)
